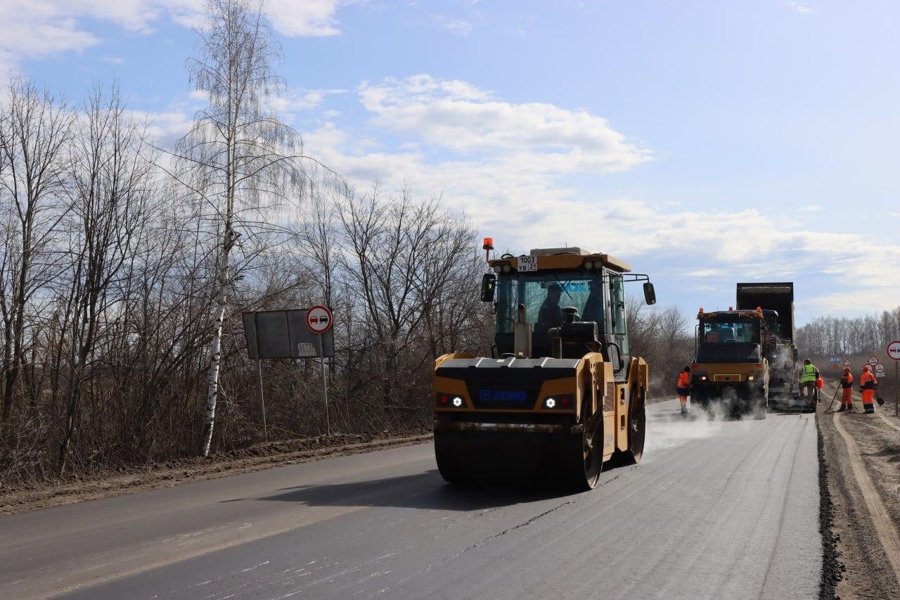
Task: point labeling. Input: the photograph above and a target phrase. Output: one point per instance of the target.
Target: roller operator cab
(561, 395)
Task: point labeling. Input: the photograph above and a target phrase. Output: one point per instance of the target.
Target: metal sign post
(262, 399)
(893, 350)
(318, 320)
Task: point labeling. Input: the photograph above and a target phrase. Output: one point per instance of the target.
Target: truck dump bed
(774, 296)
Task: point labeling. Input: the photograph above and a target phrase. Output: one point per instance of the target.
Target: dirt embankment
(255, 458)
(861, 472)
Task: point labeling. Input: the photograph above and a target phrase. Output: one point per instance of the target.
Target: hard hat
(865, 368)
(847, 369)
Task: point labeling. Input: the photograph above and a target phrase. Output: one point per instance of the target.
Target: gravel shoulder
(861, 460)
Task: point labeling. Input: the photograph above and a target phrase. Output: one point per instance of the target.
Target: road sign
(893, 350)
(879, 369)
(873, 360)
(318, 319)
(847, 363)
(835, 360)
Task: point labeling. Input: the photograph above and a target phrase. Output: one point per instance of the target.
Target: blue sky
(704, 142)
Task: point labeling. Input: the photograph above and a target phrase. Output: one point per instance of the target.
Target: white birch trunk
(215, 350)
(215, 346)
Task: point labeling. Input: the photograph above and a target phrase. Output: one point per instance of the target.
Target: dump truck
(731, 361)
(560, 396)
(777, 301)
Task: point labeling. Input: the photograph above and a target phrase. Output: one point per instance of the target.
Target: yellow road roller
(561, 396)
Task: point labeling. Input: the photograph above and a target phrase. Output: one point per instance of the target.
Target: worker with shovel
(868, 384)
(847, 391)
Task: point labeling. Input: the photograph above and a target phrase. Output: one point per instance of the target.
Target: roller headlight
(446, 400)
(559, 402)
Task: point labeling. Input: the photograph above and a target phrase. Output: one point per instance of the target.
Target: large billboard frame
(284, 334)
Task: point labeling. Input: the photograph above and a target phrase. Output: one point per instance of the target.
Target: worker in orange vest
(847, 391)
(684, 388)
(868, 384)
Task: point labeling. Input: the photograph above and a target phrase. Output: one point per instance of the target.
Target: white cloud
(22, 36)
(165, 128)
(457, 26)
(296, 101)
(38, 29)
(304, 17)
(458, 117)
(800, 8)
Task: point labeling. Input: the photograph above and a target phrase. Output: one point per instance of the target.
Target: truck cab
(731, 361)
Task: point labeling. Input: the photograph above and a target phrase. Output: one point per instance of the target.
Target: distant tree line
(125, 267)
(828, 336)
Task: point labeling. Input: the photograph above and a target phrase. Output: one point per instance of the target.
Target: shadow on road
(425, 491)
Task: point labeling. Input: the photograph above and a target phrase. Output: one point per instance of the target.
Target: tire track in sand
(890, 423)
(884, 527)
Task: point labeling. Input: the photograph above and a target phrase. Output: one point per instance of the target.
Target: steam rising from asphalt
(667, 428)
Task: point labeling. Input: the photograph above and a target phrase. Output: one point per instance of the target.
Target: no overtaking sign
(893, 350)
(318, 319)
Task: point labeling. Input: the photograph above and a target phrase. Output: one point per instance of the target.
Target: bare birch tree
(238, 157)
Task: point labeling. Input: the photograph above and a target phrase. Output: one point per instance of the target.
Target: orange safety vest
(684, 379)
(867, 381)
(847, 381)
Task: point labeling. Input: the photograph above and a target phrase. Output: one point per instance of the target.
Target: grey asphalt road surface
(715, 510)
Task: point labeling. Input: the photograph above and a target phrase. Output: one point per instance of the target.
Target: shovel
(832, 398)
